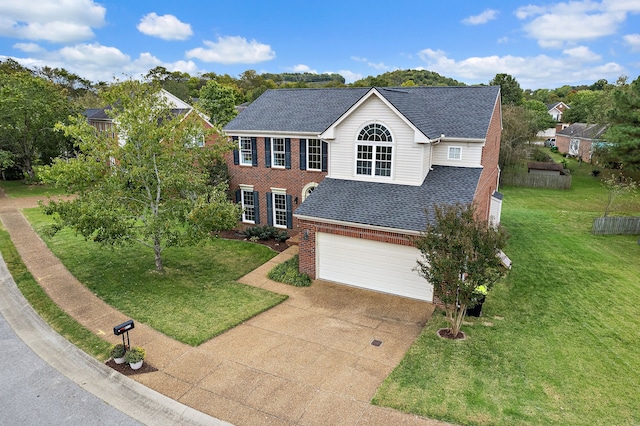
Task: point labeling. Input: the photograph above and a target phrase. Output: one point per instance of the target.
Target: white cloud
(349, 76)
(559, 24)
(28, 47)
(166, 27)
(633, 40)
(303, 68)
(58, 21)
(582, 53)
(541, 71)
(380, 66)
(233, 50)
(483, 18)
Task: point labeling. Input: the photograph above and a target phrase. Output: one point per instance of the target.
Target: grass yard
(557, 342)
(17, 189)
(59, 320)
(197, 299)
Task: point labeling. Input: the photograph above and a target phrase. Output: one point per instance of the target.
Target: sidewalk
(307, 361)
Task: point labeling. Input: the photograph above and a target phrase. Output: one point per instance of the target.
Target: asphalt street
(32, 392)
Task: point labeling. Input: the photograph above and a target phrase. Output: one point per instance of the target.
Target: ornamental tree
(459, 255)
(146, 186)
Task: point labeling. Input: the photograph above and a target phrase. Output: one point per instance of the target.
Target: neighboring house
(557, 109)
(99, 119)
(352, 170)
(578, 139)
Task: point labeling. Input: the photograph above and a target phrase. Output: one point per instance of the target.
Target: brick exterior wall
(308, 230)
(584, 151)
(488, 183)
(264, 178)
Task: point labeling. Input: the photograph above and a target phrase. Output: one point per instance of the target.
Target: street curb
(132, 398)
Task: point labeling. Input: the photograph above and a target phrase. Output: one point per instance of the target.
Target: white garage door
(373, 265)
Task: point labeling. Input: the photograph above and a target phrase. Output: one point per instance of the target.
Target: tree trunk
(457, 320)
(158, 255)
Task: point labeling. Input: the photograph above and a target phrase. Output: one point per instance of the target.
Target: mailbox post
(122, 329)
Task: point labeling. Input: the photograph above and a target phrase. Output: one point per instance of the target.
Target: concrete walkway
(308, 361)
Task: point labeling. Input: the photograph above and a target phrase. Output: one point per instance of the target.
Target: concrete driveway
(308, 361)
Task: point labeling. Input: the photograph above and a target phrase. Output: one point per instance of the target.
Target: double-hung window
(246, 152)
(455, 153)
(279, 207)
(277, 152)
(279, 210)
(314, 154)
(248, 199)
(374, 151)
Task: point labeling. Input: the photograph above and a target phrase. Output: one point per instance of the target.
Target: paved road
(32, 392)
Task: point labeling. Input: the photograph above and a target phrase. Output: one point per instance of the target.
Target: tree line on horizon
(33, 100)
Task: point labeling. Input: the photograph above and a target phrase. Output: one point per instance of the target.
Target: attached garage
(374, 265)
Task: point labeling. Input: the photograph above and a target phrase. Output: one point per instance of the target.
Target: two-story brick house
(353, 170)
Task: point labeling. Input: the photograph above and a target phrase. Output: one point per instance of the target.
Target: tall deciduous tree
(460, 254)
(30, 107)
(219, 101)
(149, 186)
(624, 132)
(509, 88)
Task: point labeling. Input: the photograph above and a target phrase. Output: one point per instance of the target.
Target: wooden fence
(616, 225)
(536, 180)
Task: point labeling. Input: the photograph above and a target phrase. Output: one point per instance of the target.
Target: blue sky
(543, 44)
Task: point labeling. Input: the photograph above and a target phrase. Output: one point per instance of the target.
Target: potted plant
(135, 357)
(117, 353)
(475, 307)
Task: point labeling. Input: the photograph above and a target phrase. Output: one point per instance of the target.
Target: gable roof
(583, 131)
(556, 105)
(387, 205)
(458, 112)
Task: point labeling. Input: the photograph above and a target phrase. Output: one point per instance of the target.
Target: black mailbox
(123, 328)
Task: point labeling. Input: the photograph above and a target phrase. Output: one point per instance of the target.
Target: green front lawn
(17, 189)
(557, 342)
(197, 299)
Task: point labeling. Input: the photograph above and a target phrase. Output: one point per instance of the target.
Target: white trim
(329, 132)
(449, 157)
(280, 192)
(273, 153)
(243, 189)
(306, 188)
(240, 156)
(307, 155)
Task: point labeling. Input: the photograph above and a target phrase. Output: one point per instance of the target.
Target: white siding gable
(470, 154)
(410, 159)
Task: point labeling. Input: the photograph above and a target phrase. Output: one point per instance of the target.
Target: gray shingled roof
(584, 130)
(395, 206)
(463, 112)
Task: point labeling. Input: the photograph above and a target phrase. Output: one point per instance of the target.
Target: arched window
(374, 151)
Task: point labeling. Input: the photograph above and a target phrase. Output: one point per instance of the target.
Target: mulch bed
(278, 246)
(128, 371)
(445, 333)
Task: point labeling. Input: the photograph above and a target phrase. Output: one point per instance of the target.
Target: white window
(279, 209)
(455, 153)
(374, 151)
(278, 152)
(246, 156)
(248, 204)
(197, 141)
(308, 189)
(314, 154)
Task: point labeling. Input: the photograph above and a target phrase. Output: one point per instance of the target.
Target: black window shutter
(303, 154)
(254, 152)
(269, 209)
(256, 207)
(267, 152)
(287, 153)
(289, 212)
(238, 196)
(325, 155)
(236, 153)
